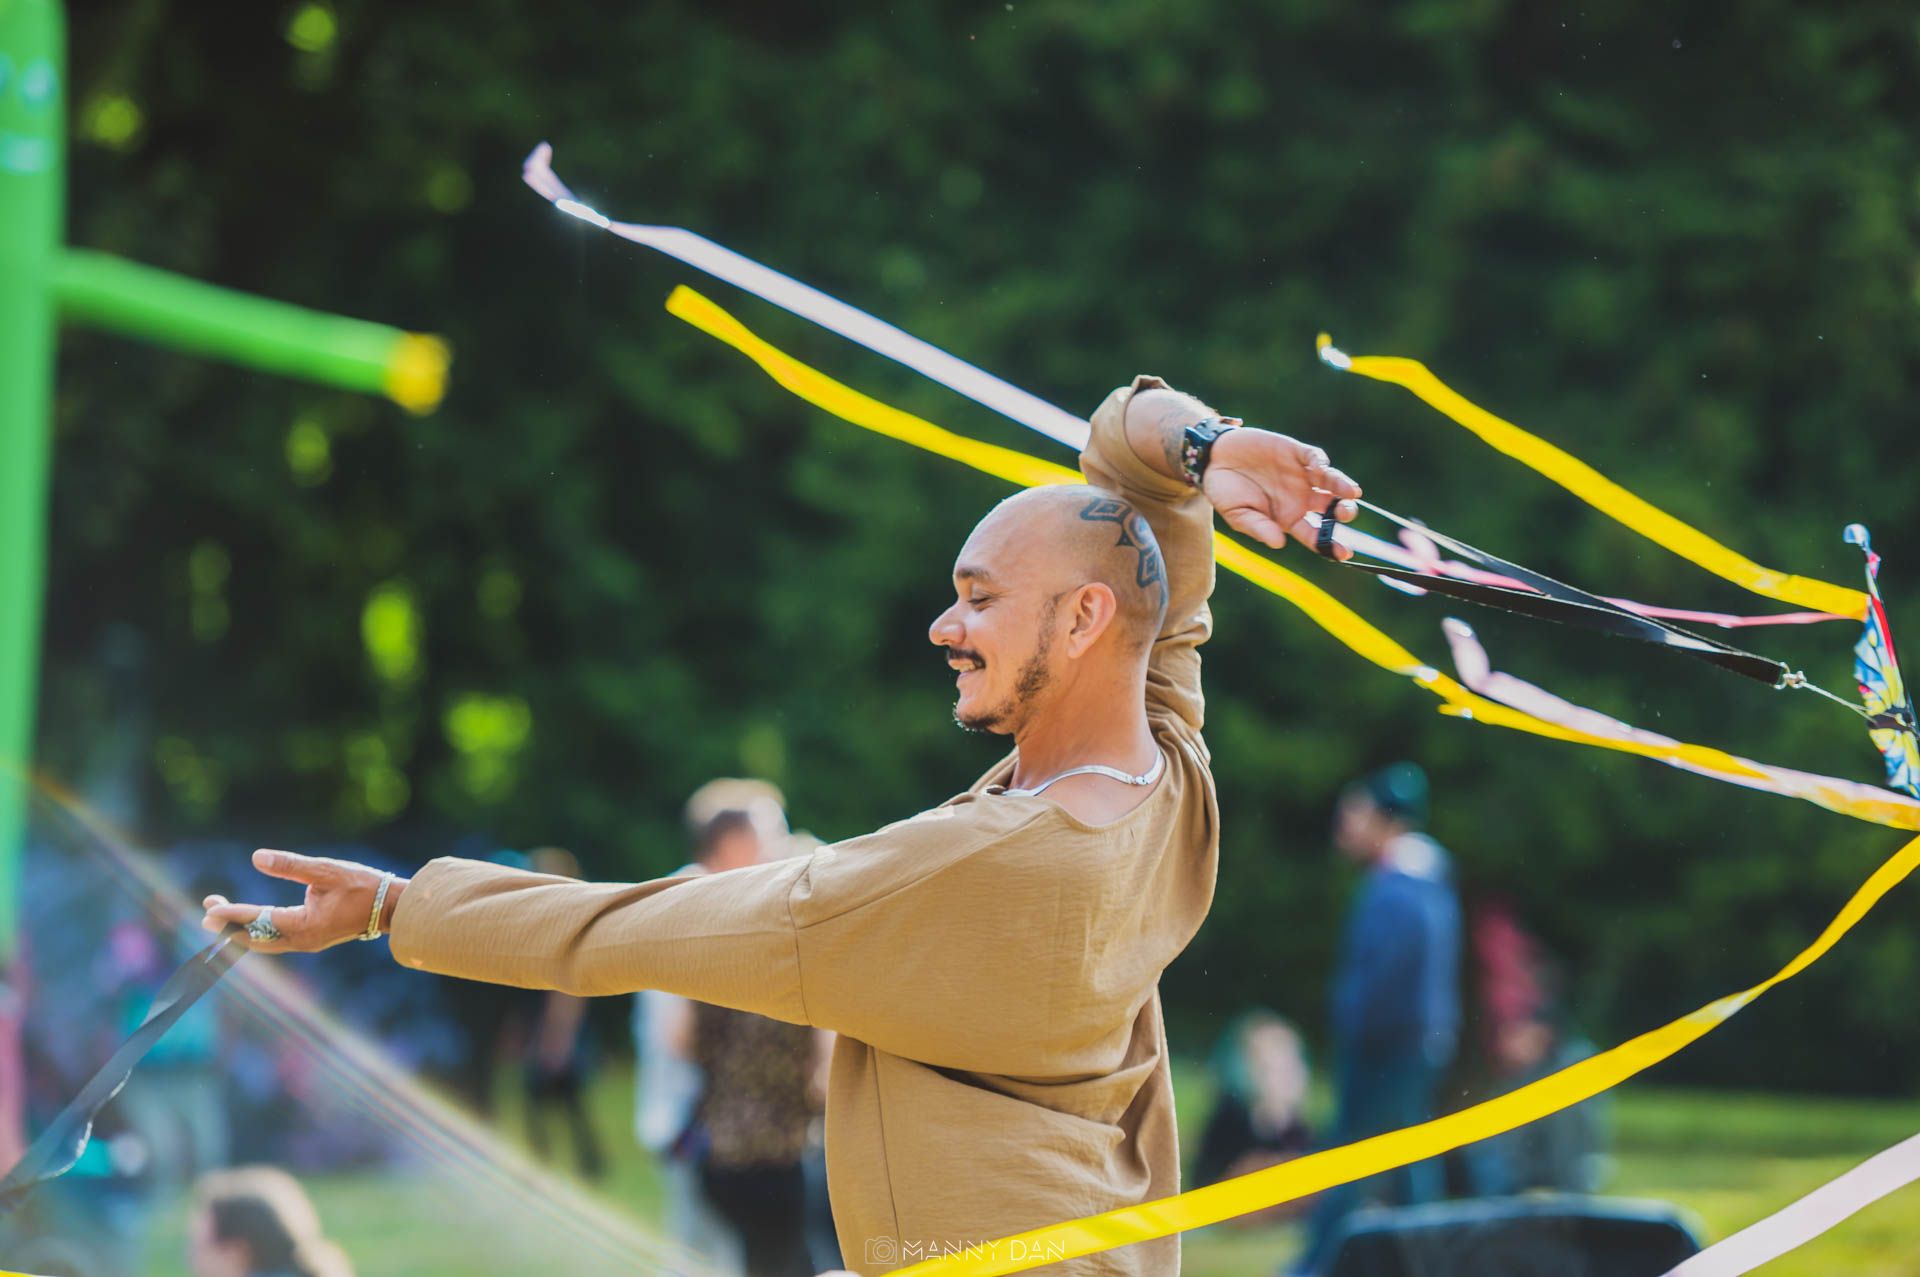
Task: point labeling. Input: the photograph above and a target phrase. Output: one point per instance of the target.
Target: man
(1396, 1000)
(991, 965)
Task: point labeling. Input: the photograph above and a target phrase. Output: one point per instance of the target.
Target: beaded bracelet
(379, 902)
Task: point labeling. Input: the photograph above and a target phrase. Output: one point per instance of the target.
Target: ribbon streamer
(1602, 493)
(1537, 595)
(1029, 410)
(1477, 672)
(60, 1145)
(1796, 1225)
(1351, 629)
(807, 302)
(1422, 555)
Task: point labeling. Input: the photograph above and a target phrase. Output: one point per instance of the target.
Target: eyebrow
(965, 573)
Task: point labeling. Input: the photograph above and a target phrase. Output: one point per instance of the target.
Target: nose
(945, 630)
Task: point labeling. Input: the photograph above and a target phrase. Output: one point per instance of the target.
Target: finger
(224, 914)
(1346, 511)
(1333, 481)
(288, 920)
(1336, 482)
(210, 904)
(1311, 456)
(1307, 533)
(1256, 524)
(295, 868)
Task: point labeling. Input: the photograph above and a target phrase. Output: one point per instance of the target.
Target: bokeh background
(1682, 241)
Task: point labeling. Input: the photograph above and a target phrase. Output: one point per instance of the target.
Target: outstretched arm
(722, 938)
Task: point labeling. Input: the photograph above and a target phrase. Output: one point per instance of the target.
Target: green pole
(171, 310)
(32, 179)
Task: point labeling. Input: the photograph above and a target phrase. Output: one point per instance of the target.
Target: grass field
(1730, 1159)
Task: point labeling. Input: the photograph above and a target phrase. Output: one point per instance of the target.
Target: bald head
(1071, 535)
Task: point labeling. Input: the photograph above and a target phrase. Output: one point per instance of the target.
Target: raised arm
(1265, 484)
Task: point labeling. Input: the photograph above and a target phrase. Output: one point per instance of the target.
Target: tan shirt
(992, 965)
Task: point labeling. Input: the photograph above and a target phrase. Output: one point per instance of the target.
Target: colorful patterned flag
(1890, 719)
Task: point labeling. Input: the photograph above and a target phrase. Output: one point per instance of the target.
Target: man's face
(999, 631)
(1361, 829)
(736, 849)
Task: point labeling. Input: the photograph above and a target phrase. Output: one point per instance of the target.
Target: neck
(1104, 724)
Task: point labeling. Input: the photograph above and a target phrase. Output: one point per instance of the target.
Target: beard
(1034, 677)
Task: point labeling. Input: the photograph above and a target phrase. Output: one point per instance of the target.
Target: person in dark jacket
(1396, 1001)
(1260, 1081)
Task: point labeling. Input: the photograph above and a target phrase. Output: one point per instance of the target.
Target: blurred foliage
(1682, 241)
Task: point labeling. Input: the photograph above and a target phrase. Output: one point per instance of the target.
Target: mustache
(966, 654)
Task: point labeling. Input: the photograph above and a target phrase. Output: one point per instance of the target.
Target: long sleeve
(897, 937)
(1182, 522)
(724, 938)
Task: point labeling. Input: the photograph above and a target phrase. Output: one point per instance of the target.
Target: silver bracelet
(379, 902)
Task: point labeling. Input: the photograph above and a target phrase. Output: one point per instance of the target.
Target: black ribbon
(60, 1145)
(1552, 600)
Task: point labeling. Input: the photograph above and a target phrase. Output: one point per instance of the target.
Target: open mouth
(964, 665)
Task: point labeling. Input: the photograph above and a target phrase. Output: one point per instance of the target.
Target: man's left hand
(1266, 484)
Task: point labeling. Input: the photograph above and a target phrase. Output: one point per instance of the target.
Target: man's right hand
(339, 900)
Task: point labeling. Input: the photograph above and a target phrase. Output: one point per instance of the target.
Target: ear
(1092, 608)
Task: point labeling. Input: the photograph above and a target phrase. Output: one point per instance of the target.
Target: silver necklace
(1092, 769)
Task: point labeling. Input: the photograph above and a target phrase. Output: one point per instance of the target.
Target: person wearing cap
(991, 964)
(1396, 1000)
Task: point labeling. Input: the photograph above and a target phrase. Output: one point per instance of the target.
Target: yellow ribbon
(1598, 491)
(1324, 1170)
(1336, 618)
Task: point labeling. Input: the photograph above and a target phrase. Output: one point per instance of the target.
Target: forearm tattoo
(1135, 535)
(1173, 443)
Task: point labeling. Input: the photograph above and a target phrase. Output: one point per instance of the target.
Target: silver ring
(262, 928)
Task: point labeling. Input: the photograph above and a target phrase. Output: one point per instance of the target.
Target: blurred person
(992, 965)
(257, 1221)
(1396, 1000)
(1524, 1038)
(1258, 1120)
(728, 820)
(557, 1060)
(754, 1114)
